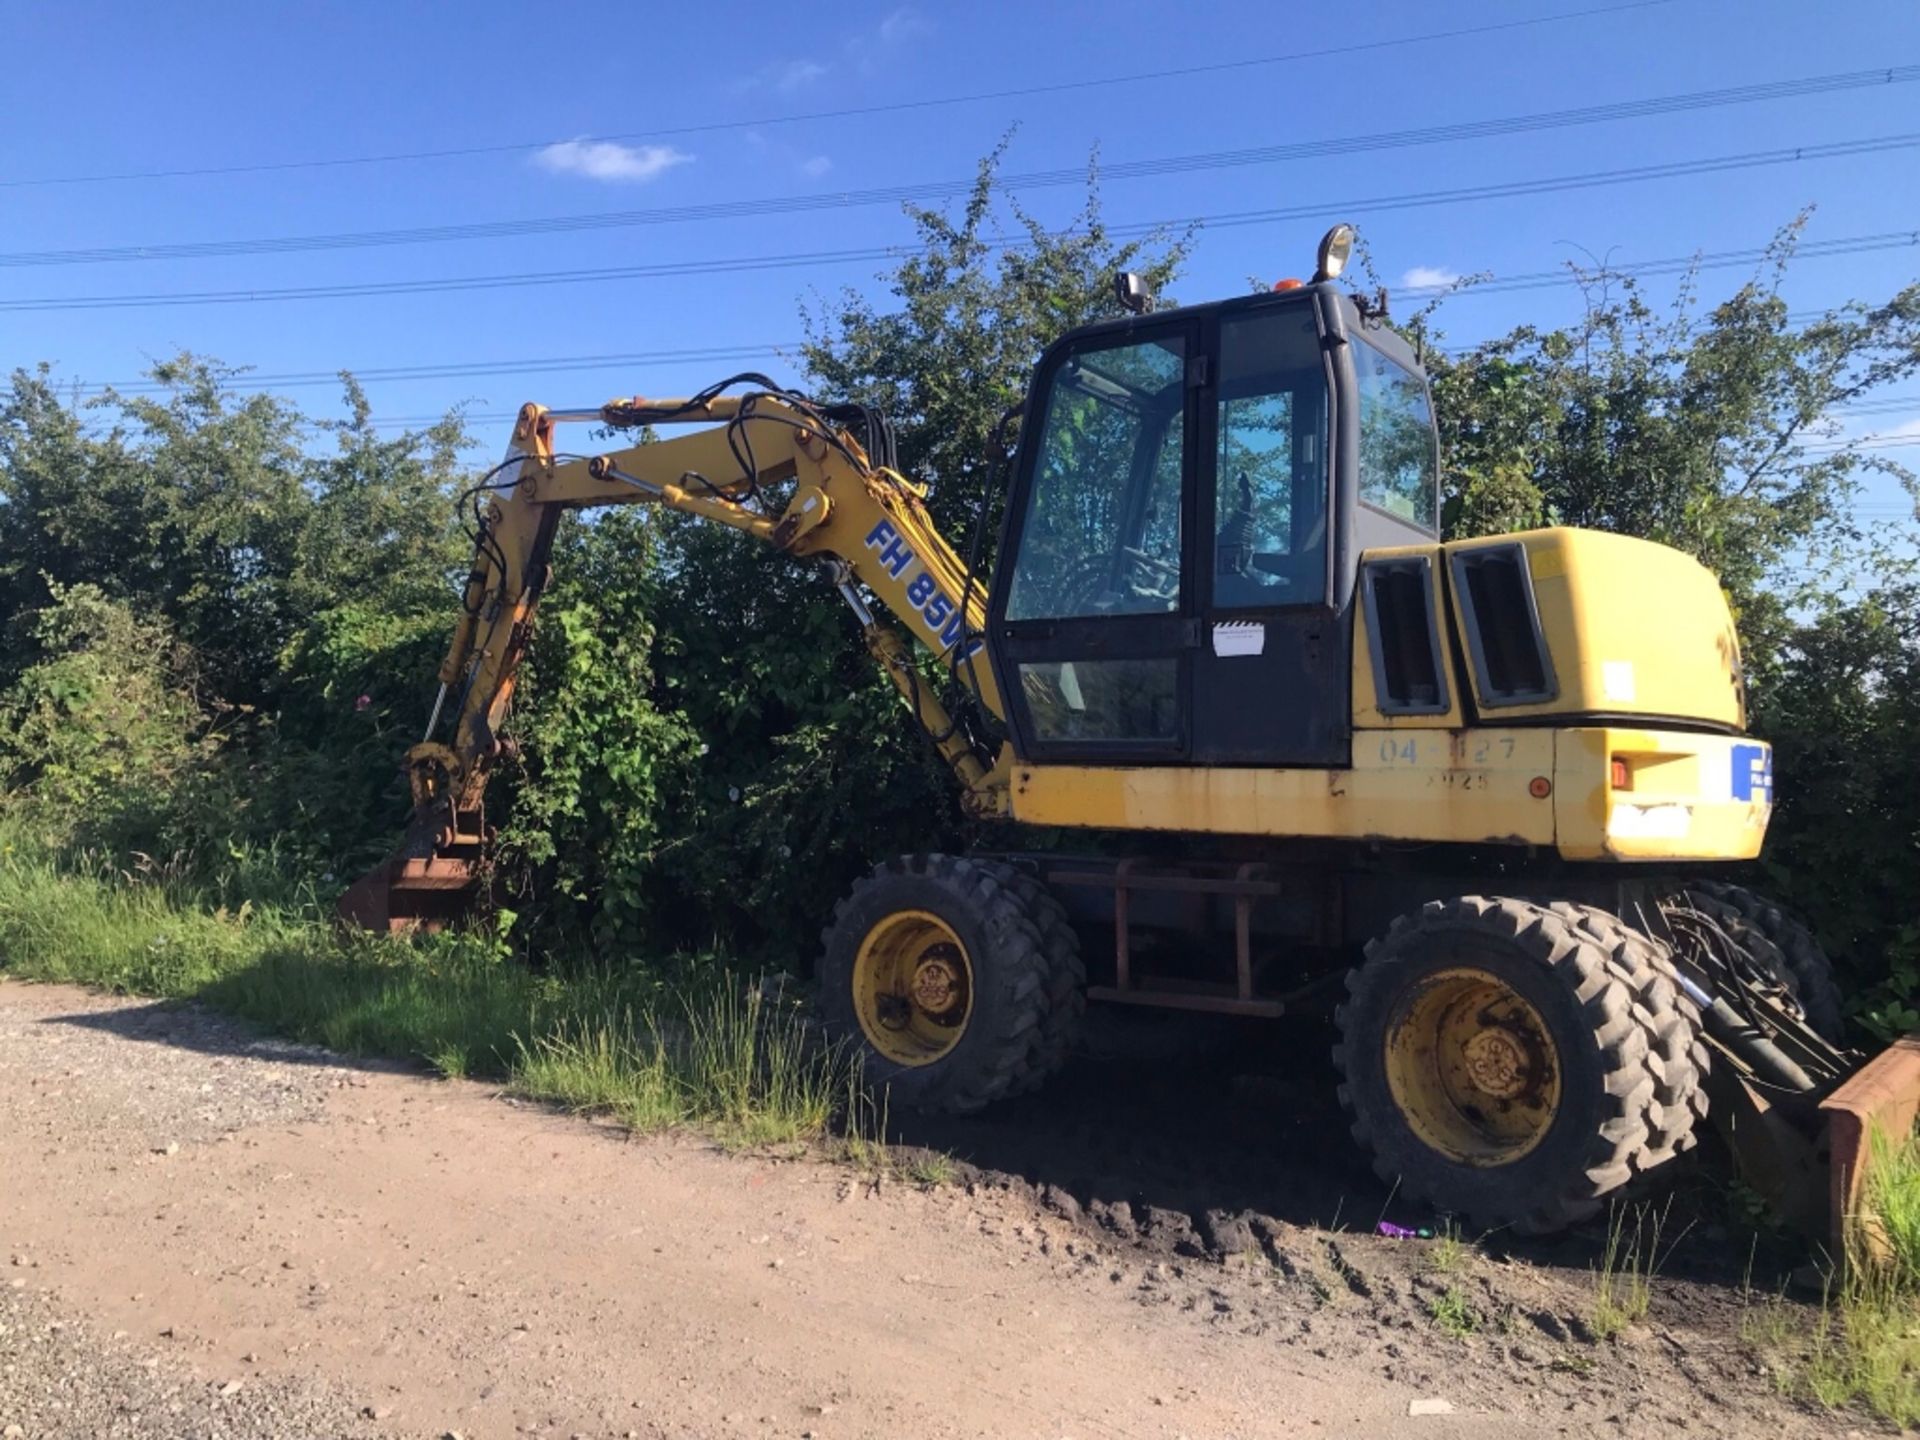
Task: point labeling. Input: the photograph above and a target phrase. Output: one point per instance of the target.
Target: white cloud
(793, 75)
(1423, 276)
(902, 25)
(814, 166)
(605, 160)
(782, 77)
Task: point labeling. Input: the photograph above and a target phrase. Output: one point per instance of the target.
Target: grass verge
(714, 1053)
(1863, 1348)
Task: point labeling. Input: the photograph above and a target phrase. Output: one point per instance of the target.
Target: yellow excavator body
(1636, 632)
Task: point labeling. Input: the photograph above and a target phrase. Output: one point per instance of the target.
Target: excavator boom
(769, 464)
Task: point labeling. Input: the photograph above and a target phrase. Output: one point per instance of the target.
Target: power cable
(1041, 179)
(1717, 260)
(1854, 245)
(847, 112)
(555, 364)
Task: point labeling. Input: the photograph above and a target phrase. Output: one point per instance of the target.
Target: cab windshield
(1101, 532)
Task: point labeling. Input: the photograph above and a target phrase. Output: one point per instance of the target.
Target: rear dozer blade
(408, 892)
(1881, 1098)
(1811, 1161)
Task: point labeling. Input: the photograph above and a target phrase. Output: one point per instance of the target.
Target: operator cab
(1190, 500)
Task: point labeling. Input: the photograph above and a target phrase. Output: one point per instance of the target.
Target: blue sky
(110, 88)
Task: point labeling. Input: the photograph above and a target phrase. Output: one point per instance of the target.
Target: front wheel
(936, 973)
(1495, 1065)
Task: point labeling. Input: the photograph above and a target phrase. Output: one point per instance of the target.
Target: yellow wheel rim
(1473, 1069)
(913, 987)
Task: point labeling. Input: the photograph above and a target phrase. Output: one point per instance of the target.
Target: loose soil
(1174, 1239)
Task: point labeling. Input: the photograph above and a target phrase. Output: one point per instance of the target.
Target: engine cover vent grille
(1510, 658)
(1403, 634)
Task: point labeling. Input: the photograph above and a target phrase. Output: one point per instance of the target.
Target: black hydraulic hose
(1744, 1040)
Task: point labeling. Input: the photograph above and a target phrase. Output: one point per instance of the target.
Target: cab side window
(1270, 488)
(1398, 466)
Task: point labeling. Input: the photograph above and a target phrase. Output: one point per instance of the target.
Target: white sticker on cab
(1239, 637)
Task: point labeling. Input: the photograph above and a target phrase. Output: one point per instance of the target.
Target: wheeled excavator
(1486, 794)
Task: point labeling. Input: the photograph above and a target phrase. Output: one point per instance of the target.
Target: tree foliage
(804, 769)
(1711, 429)
(219, 621)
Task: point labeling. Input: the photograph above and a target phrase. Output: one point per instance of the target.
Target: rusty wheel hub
(1497, 1064)
(938, 986)
(913, 987)
(1472, 1068)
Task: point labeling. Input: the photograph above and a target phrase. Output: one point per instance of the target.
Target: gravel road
(60, 1377)
(203, 1233)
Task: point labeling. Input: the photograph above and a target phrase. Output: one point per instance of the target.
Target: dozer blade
(1883, 1097)
(1812, 1163)
(409, 893)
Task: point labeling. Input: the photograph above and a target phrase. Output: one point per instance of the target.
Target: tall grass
(1890, 1212)
(713, 1053)
(720, 1056)
(1629, 1262)
(1864, 1346)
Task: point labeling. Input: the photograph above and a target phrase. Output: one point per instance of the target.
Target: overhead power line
(560, 364)
(849, 112)
(1679, 264)
(469, 417)
(939, 189)
(1879, 407)
(801, 259)
(474, 369)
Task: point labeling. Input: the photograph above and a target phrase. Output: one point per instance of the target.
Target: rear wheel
(1494, 1064)
(935, 972)
(1780, 944)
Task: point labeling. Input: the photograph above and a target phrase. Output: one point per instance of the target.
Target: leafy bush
(106, 729)
(1843, 710)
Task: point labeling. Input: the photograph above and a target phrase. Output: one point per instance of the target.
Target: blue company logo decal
(941, 615)
(1753, 773)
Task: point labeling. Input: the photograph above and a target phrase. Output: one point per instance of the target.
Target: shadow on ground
(1178, 1129)
(188, 1026)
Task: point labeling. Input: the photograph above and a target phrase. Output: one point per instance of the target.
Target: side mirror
(1132, 292)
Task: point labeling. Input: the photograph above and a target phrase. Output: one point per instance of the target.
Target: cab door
(1093, 606)
(1270, 675)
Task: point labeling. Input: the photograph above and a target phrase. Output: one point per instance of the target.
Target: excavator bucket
(409, 892)
(1879, 1102)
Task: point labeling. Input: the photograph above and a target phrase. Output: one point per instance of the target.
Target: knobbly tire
(1677, 1050)
(1066, 984)
(1784, 946)
(1006, 951)
(1587, 1146)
